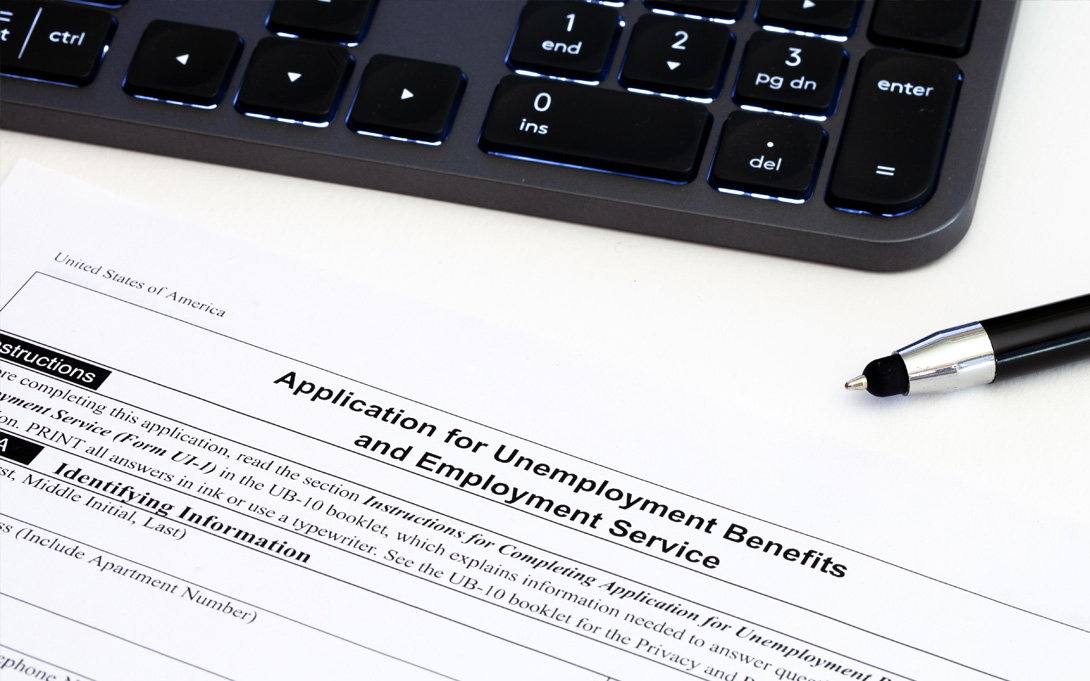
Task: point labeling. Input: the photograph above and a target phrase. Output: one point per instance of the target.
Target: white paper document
(218, 464)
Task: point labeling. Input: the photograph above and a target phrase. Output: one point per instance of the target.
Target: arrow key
(344, 21)
(183, 63)
(672, 55)
(407, 98)
(825, 17)
(294, 81)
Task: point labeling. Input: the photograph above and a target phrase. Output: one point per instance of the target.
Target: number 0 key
(620, 132)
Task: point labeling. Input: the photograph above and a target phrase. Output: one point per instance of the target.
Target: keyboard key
(892, 144)
(942, 27)
(677, 56)
(767, 154)
(826, 17)
(294, 80)
(53, 42)
(589, 127)
(565, 39)
(791, 73)
(183, 63)
(727, 10)
(343, 21)
(407, 98)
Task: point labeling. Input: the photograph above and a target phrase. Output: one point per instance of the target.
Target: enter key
(892, 145)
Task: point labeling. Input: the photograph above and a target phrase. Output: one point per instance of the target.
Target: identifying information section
(185, 493)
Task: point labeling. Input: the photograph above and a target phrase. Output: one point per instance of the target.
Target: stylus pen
(983, 352)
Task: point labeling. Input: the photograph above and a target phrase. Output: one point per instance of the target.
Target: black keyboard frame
(475, 35)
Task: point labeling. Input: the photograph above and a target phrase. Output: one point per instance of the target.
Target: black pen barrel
(1040, 338)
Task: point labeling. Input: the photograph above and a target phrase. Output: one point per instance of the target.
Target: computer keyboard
(838, 131)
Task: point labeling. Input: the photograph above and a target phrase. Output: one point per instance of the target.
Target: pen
(983, 352)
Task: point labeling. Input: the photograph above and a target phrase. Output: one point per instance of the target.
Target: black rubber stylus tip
(887, 376)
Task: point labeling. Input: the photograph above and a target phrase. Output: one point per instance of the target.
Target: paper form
(215, 464)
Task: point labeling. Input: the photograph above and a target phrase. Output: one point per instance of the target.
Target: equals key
(893, 141)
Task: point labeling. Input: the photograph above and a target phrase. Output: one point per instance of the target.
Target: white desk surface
(786, 334)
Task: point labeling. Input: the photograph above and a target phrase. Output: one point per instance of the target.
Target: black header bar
(51, 362)
(17, 450)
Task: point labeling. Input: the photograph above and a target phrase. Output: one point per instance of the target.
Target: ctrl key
(53, 42)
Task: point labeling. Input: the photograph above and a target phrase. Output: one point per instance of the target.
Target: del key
(590, 127)
(893, 142)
